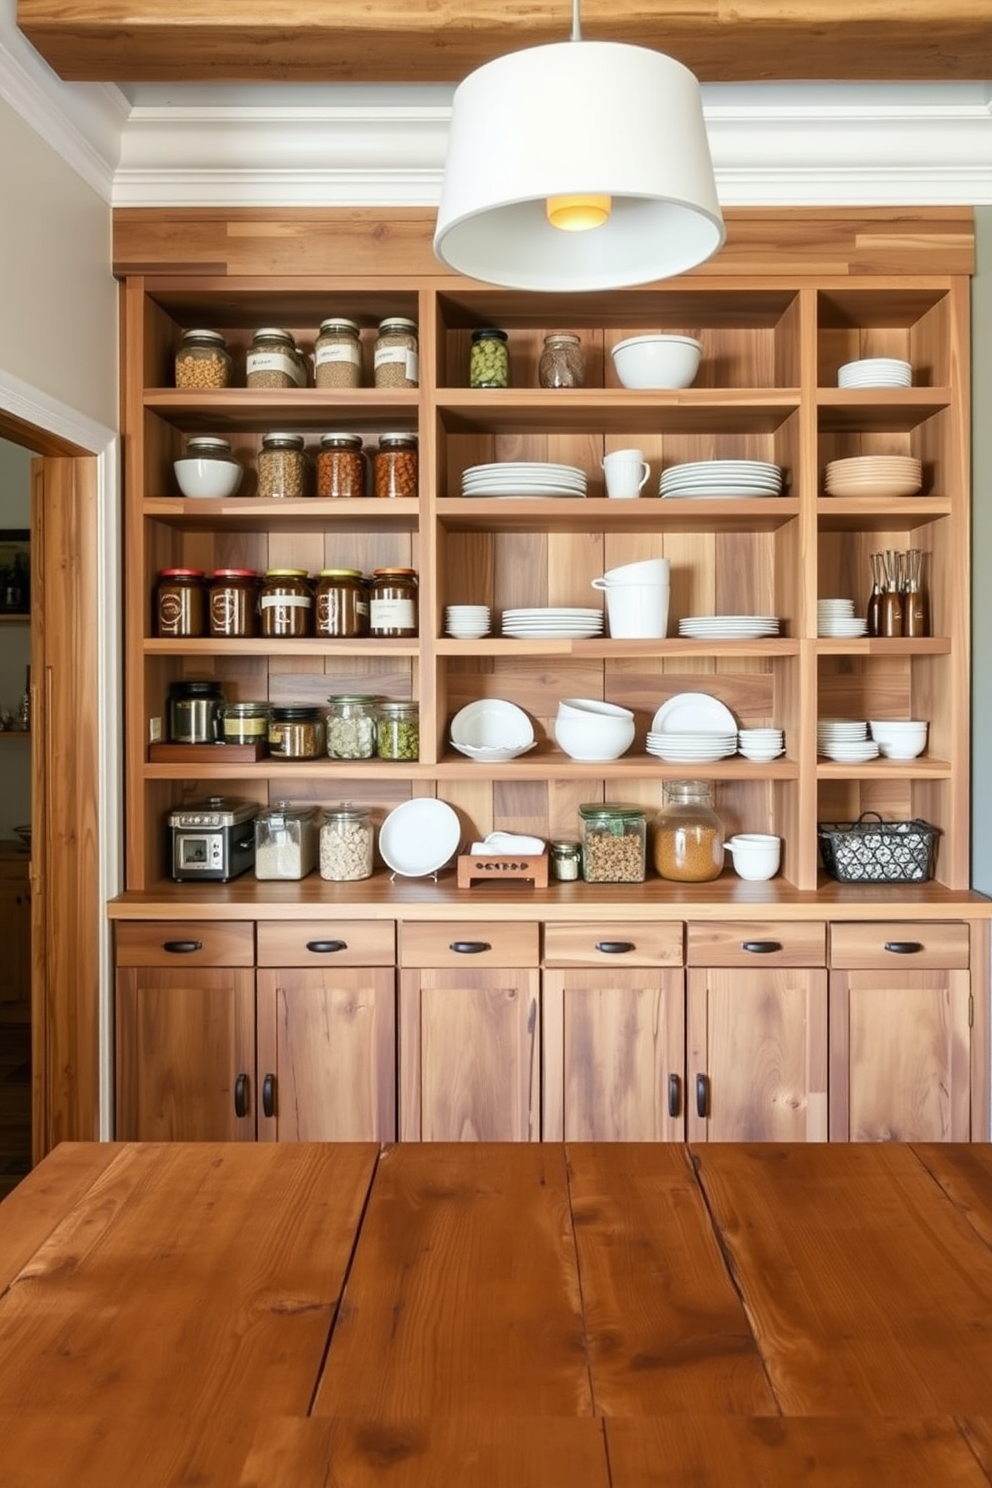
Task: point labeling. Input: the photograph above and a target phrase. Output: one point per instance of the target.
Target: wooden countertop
(532, 1316)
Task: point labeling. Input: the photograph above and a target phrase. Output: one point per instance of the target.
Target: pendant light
(578, 165)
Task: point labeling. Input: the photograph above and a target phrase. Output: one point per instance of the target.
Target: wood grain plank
(43, 1198)
(189, 1278)
(964, 1172)
(666, 1331)
(51, 1450)
(867, 1293)
(463, 1299)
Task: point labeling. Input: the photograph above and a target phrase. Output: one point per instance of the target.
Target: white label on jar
(392, 614)
(286, 601)
(409, 360)
(338, 353)
(275, 361)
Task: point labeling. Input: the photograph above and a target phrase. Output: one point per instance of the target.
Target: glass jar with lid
(688, 834)
(337, 354)
(203, 361)
(246, 723)
(232, 602)
(394, 471)
(180, 602)
(296, 731)
(342, 604)
(346, 844)
(562, 363)
(283, 467)
(286, 603)
(341, 466)
(395, 360)
(565, 859)
(489, 359)
(274, 360)
(286, 841)
(210, 447)
(397, 731)
(614, 842)
(195, 706)
(351, 724)
(393, 602)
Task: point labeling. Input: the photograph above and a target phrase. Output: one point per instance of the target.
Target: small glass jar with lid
(210, 447)
(285, 604)
(337, 354)
(614, 842)
(489, 359)
(395, 360)
(286, 841)
(565, 859)
(397, 731)
(346, 844)
(688, 834)
(351, 725)
(232, 602)
(283, 466)
(341, 466)
(203, 361)
(246, 723)
(180, 602)
(393, 602)
(562, 363)
(394, 469)
(274, 360)
(342, 604)
(296, 731)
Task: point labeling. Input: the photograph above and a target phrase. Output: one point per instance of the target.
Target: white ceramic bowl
(657, 361)
(207, 477)
(492, 723)
(594, 707)
(600, 732)
(902, 751)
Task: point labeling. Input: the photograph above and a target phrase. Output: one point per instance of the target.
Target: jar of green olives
(398, 731)
(489, 359)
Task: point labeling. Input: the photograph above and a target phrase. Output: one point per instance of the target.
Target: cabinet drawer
(185, 943)
(899, 943)
(757, 943)
(326, 943)
(617, 943)
(483, 944)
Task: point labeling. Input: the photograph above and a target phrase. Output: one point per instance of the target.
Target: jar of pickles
(203, 361)
(341, 466)
(396, 361)
(397, 731)
(286, 603)
(337, 354)
(274, 360)
(283, 467)
(245, 723)
(296, 731)
(393, 602)
(342, 604)
(614, 839)
(180, 602)
(351, 723)
(346, 844)
(489, 359)
(562, 364)
(232, 602)
(395, 466)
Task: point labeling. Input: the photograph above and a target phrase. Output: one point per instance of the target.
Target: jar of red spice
(341, 466)
(395, 465)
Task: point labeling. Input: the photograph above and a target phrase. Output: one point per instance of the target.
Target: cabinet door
(757, 1054)
(185, 1054)
(15, 935)
(327, 1055)
(470, 1055)
(900, 1056)
(614, 1055)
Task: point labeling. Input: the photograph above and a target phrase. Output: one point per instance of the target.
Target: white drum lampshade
(616, 130)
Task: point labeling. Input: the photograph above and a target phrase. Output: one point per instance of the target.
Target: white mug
(756, 855)
(626, 472)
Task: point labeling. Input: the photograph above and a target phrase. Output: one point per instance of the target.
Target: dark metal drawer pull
(181, 947)
(674, 1095)
(319, 947)
(761, 947)
(702, 1095)
(269, 1095)
(241, 1096)
(615, 947)
(470, 947)
(903, 947)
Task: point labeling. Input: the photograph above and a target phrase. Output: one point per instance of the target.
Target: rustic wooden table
(526, 1316)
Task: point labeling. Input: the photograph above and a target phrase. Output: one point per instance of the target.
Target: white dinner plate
(693, 712)
(419, 837)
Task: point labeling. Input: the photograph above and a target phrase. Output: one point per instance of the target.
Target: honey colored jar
(341, 466)
(395, 465)
(688, 834)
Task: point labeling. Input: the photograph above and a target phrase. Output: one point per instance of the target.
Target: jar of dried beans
(341, 466)
(282, 466)
(614, 841)
(562, 364)
(396, 361)
(337, 354)
(688, 834)
(274, 360)
(395, 465)
(203, 361)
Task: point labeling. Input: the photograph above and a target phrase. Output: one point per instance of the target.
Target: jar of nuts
(614, 839)
(337, 354)
(341, 466)
(397, 732)
(203, 361)
(274, 360)
(346, 844)
(688, 834)
(395, 466)
(489, 359)
(396, 361)
(282, 466)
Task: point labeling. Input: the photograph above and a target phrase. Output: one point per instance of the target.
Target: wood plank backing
(666, 1330)
(866, 1292)
(463, 1298)
(194, 1278)
(42, 1199)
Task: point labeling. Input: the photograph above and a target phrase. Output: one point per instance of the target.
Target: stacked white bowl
(845, 739)
(836, 617)
(877, 372)
(467, 622)
(587, 729)
(760, 744)
(899, 738)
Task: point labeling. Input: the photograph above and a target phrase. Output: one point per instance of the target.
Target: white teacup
(627, 472)
(755, 854)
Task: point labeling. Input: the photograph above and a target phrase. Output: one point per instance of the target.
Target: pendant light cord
(576, 28)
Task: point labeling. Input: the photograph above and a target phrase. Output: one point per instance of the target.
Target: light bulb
(578, 213)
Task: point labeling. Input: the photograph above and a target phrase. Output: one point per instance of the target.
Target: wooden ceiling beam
(440, 41)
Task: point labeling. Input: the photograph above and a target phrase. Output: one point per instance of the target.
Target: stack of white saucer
(836, 617)
(760, 744)
(846, 740)
(467, 622)
(877, 372)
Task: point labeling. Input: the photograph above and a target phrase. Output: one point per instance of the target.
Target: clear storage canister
(565, 859)
(562, 363)
(351, 723)
(395, 360)
(274, 360)
(346, 844)
(246, 723)
(614, 840)
(393, 602)
(232, 602)
(688, 834)
(180, 602)
(286, 603)
(395, 466)
(203, 361)
(283, 466)
(342, 603)
(337, 354)
(286, 841)
(195, 711)
(341, 466)
(489, 359)
(397, 731)
(296, 731)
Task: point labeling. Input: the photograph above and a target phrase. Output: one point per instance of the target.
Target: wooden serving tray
(205, 754)
(496, 867)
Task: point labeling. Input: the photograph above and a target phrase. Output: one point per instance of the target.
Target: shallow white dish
(491, 756)
(492, 723)
(418, 837)
(694, 712)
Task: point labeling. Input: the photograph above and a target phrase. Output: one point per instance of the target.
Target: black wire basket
(871, 850)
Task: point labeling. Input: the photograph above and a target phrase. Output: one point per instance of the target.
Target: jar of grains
(337, 354)
(562, 364)
(274, 360)
(245, 723)
(346, 844)
(283, 466)
(393, 602)
(286, 841)
(342, 604)
(395, 360)
(232, 601)
(565, 859)
(489, 359)
(203, 361)
(397, 731)
(613, 843)
(296, 731)
(285, 603)
(351, 718)
(341, 466)
(180, 602)
(688, 834)
(395, 465)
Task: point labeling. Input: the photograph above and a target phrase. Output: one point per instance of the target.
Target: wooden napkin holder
(474, 868)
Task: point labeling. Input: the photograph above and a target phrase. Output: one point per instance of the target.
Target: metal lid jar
(232, 602)
(245, 723)
(351, 724)
(274, 360)
(285, 603)
(346, 844)
(195, 711)
(180, 602)
(209, 447)
(395, 360)
(341, 466)
(562, 363)
(337, 354)
(203, 361)
(283, 467)
(688, 834)
(393, 602)
(394, 469)
(565, 859)
(296, 731)
(286, 841)
(397, 731)
(489, 359)
(342, 604)
(614, 839)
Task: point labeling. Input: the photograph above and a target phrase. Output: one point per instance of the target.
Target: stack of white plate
(728, 627)
(719, 480)
(553, 622)
(692, 728)
(845, 740)
(760, 744)
(836, 617)
(690, 749)
(467, 622)
(513, 478)
(874, 475)
(876, 372)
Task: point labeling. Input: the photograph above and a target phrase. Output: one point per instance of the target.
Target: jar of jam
(274, 360)
(489, 359)
(562, 364)
(351, 723)
(282, 466)
(296, 731)
(180, 602)
(286, 603)
(396, 362)
(337, 354)
(203, 361)
(395, 466)
(232, 601)
(393, 602)
(342, 604)
(341, 466)
(245, 723)
(397, 731)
